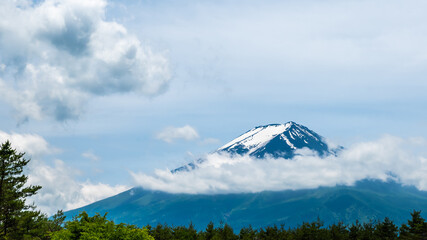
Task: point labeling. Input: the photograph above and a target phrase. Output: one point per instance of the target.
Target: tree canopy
(98, 227)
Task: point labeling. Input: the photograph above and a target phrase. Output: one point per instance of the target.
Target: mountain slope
(367, 200)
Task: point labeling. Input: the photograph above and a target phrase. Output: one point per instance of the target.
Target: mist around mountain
(365, 200)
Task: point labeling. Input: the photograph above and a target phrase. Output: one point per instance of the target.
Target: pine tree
(386, 230)
(13, 190)
(416, 227)
(247, 233)
(209, 232)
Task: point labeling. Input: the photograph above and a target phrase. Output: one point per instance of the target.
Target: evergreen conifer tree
(13, 191)
(386, 230)
(416, 227)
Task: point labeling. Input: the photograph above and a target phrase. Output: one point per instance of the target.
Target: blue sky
(101, 81)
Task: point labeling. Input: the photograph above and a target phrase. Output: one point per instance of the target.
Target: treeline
(21, 221)
(95, 227)
(415, 228)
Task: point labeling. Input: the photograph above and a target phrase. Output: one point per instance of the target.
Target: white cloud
(31, 144)
(171, 134)
(60, 189)
(58, 54)
(403, 160)
(90, 155)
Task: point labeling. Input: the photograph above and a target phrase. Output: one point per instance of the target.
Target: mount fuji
(277, 140)
(367, 200)
(273, 140)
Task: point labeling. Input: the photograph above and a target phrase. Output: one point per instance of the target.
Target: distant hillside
(367, 200)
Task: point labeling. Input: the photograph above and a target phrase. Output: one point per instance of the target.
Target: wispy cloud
(90, 155)
(171, 134)
(56, 55)
(60, 189)
(403, 160)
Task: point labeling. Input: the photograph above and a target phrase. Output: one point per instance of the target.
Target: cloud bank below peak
(389, 158)
(58, 54)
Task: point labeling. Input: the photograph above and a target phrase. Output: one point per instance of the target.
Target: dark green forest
(19, 220)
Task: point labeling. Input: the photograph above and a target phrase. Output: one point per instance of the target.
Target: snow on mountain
(277, 140)
(274, 140)
(256, 137)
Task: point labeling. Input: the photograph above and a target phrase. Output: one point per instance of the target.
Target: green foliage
(226, 233)
(312, 230)
(386, 230)
(416, 227)
(247, 233)
(57, 221)
(210, 232)
(184, 233)
(97, 227)
(381, 230)
(17, 219)
(161, 232)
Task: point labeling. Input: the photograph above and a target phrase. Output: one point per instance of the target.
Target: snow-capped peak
(277, 140)
(274, 140)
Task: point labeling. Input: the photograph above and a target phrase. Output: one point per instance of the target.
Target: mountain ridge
(366, 201)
